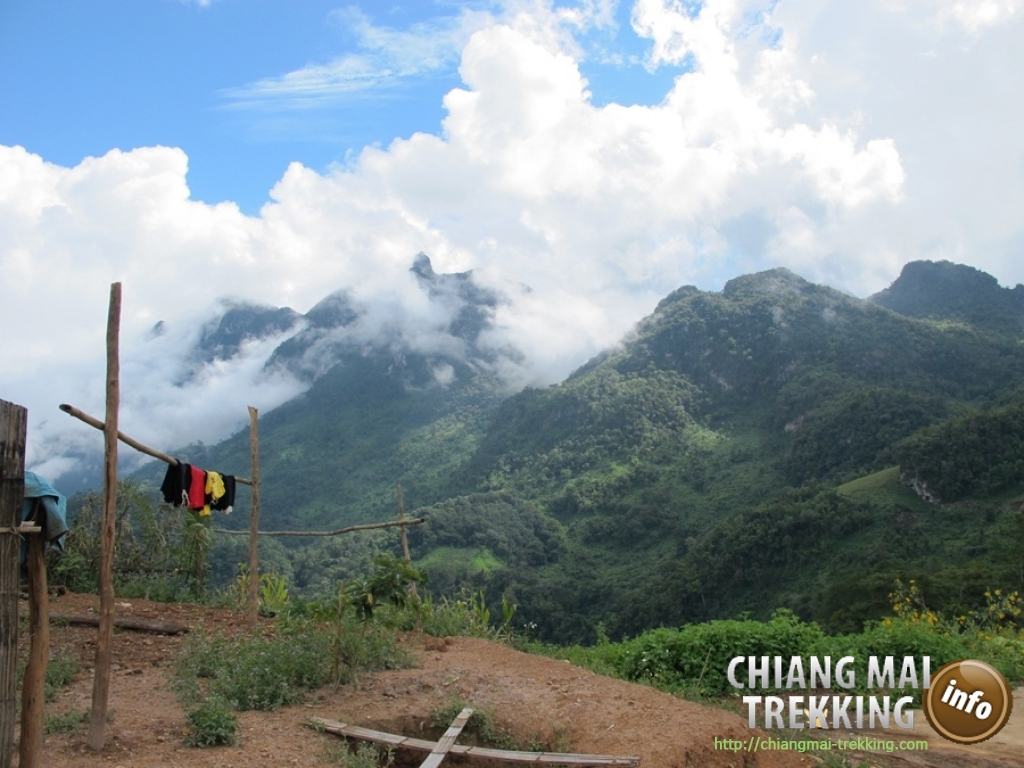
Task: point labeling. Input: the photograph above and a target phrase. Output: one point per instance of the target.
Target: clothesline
(94, 422)
(349, 529)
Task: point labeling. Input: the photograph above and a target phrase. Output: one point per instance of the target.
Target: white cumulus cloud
(838, 139)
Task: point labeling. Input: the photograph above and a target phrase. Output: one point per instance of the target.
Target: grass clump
(65, 722)
(309, 645)
(483, 724)
(60, 672)
(261, 673)
(466, 615)
(362, 755)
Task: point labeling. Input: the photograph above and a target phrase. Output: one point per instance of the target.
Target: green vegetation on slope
(688, 475)
(981, 453)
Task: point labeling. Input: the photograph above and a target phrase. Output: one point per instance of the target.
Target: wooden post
(405, 539)
(13, 428)
(96, 737)
(254, 520)
(33, 692)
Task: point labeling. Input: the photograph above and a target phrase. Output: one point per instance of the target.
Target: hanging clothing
(192, 487)
(176, 483)
(197, 489)
(227, 501)
(214, 491)
(45, 507)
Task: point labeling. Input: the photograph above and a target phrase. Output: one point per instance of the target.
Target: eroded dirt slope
(537, 699)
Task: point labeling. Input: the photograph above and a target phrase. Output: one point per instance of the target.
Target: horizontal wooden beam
(349, 529)
(92, 421)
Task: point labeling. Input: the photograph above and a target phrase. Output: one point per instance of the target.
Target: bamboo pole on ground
(254, 519)
(13, 428)
(96, 737)
(33, 690)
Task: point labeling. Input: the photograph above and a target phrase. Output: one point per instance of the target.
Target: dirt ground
(537, 699)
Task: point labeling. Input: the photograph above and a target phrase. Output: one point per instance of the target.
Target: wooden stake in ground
(101, 676)
(33, 690)
(254, 521)
(405, 539)
(13, 428)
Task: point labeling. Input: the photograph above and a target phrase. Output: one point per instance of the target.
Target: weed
(359, 755)
(467, 615)
(60, 671)
(363, 755)
(273, 594)
(265, 673)
(211, 724)
(481, 723)
(65, 722)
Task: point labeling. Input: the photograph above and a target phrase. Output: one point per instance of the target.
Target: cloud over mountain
(780, 142)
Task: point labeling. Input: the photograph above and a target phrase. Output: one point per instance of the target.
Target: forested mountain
(954, 292)
(737, 452)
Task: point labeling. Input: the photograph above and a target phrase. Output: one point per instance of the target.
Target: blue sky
(81, 78)
(601, 153)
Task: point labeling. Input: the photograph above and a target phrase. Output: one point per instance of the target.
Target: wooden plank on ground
(445, 743)
(421, 745)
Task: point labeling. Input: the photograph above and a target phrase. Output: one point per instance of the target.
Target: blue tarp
(54, 505)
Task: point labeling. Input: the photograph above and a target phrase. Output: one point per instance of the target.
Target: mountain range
(777, 443)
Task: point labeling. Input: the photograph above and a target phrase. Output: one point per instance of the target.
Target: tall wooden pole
(101, 676)
(254, 520)
(33, 690)
(13, 428)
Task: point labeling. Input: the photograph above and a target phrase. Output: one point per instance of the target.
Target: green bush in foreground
(695, 659)
(253, 672)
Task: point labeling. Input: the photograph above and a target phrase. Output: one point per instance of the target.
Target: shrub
(211, 724)
(696, 658)
(252, 672)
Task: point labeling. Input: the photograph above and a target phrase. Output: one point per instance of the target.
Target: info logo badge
(969, 701)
